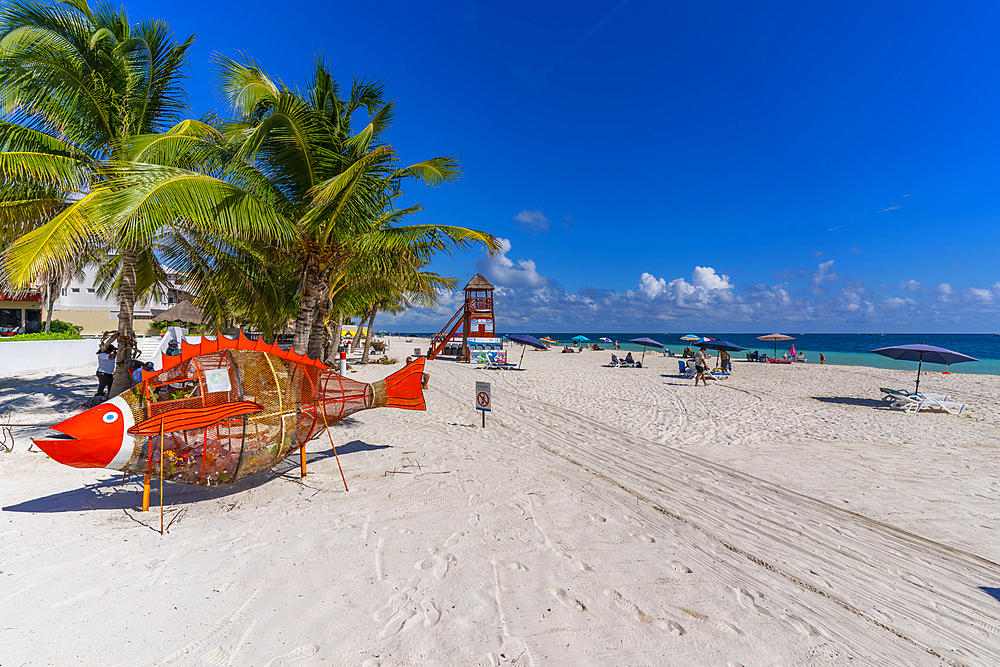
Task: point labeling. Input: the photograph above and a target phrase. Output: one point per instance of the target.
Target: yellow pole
(145, 493)
(302, 456)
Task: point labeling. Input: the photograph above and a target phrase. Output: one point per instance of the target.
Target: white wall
(34, 356)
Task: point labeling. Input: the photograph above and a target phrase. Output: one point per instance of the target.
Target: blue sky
(667, 166)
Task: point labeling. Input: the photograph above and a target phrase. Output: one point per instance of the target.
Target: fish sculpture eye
(110, 417)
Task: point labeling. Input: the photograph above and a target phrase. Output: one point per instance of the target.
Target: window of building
(64, 291)
(91, 290)
(76, 289)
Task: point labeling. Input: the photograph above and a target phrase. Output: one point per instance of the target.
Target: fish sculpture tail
(402, 389)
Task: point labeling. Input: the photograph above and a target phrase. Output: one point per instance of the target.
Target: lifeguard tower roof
(478, 283)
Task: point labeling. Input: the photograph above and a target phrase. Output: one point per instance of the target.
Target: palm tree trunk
(306, 317)
(357, 336)
(126, 334)
(51, 286)
(338, 332)
(317, 334)
(368, 338)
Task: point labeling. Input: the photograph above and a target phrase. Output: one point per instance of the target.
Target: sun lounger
(914, 404)
(686, 368)
(892, 395)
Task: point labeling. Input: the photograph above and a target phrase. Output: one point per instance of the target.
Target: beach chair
(892, 395)
(718, 374)
(913, 404)
(615, 362)
(687, 368)
(627, 364)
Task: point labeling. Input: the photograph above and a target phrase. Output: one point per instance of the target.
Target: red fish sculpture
(225, 409)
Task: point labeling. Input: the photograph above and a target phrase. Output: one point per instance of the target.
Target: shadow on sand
(845, 400)
(109, 494)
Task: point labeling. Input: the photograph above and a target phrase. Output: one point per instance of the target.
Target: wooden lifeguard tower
(476, 320)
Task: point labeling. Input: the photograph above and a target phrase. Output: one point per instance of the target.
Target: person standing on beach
(700, 366)
(106, 369)
(822, 359)
(725, 362)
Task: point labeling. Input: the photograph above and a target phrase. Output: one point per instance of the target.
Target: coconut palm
(294, 157)
(75, 83)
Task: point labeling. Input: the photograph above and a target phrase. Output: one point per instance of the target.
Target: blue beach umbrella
(526, 339)
(581, 339)
(644, 342)
(921, 353)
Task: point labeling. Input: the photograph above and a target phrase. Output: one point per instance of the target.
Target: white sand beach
(604, 516)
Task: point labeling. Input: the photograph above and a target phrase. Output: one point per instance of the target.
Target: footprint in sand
(597, 518)
(453, 540)
(580, 565)
(749, 601)
(292, 656)
(615, 596)
(567, 601)
(680, 567)
(431, 613)
(444, 561)
(372, 662)
(672, 627)
(395, 602)
(397, 622)
(424, 564)
(517, 567)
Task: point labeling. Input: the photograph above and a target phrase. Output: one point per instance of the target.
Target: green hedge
(43, 336)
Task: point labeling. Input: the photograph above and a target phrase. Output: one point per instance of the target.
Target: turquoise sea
(846, 349)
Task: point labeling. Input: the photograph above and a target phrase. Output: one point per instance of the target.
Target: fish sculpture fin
(402, 388)
(185, 419)
(220, 342)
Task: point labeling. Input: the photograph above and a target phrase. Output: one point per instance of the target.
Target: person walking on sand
(700, 366)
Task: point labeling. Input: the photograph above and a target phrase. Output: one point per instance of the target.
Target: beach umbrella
(722, 345)
(526, 339)
(690, 338)
(775, 337)
(604, 340)
(550, 341)
(921, 353)
(644, 342)
(704, 339)
(581, 339)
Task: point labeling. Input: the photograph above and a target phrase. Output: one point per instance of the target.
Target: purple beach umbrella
(921, 353)
(526, 339)
(644, 342)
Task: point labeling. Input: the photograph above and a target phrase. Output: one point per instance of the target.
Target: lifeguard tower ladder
(475, 317)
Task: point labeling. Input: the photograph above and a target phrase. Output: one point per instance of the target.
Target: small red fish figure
(226, 408)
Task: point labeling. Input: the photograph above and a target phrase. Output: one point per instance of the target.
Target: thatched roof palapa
(479, 283)
(185, 311)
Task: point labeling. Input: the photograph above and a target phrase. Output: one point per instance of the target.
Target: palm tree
(75, 83)
(294, 158)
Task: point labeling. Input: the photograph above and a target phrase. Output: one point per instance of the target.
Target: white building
(80, 304)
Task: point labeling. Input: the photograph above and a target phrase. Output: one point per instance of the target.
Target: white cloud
(945, 288)
(533, 222)
(895, 302)
(822, 275)
(983, 295)
(650, 286)
(503, 271)
(909, 285)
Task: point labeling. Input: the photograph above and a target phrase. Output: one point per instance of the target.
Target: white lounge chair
(917, 402)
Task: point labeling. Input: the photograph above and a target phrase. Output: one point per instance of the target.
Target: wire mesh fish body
(227, 412)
